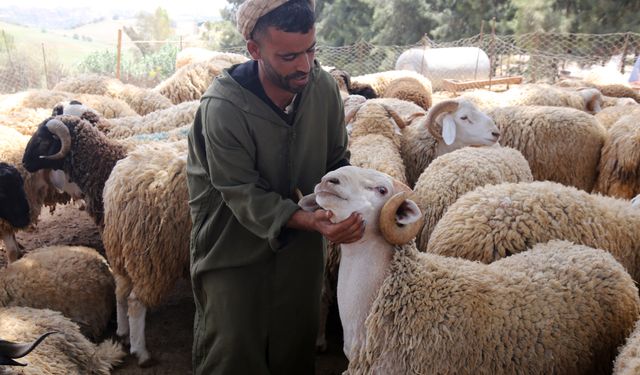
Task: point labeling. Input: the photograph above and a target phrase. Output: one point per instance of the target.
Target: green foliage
(221, 35)
(150, 27)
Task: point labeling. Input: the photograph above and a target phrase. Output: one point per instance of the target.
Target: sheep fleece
(541, 312)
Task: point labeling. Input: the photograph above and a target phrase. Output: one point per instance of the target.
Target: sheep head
(459, 121)
(14, 206)
(380, 199)
(48, 146)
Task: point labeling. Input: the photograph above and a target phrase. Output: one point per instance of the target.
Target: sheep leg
(123, 289)
(325, 302)
(137, 314)
(12, 247)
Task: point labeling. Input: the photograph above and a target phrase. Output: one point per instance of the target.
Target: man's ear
(254, 49)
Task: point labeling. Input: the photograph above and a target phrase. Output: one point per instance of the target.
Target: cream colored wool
(194, 55)
(131, 143)
(556, 309)
(141, 100)
(24, 120)
(608, 116)
(171, 118)
(379, 81)
(620, 159)
(377, 152)
(628, 361)
(453, 174)
(65, 352)
(74, 280)
(39, 190)
(147, 222)
(560, 144)
(410, 89)
(493, 222)
(407, 111)
(418, 149)
(376, 118)
(529, 94)
(191, 81)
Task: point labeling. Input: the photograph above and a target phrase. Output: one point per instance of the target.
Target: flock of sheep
(531, 180)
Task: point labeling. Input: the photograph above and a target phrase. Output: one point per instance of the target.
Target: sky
(203, 7)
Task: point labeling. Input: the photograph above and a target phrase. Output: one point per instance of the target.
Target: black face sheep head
(14, 206)
(75, 108)
(48, 146)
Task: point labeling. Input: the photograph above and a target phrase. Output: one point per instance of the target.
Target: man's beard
(284, 82)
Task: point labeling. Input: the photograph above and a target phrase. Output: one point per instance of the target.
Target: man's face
(286, 58)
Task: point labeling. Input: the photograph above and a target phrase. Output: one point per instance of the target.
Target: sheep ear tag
(448, 129)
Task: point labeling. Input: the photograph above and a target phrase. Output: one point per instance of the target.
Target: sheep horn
(10, 350)
(351, 114)
(415, 116)
(432, 115)
(395, 116)
(392, 232)
(58, 128)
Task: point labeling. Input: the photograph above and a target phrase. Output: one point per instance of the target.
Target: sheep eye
(382, 190)
(464, 118)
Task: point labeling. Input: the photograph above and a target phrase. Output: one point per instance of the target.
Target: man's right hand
(348, 230)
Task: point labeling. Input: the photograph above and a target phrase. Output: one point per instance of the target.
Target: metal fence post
(119, 53)
(46, 74)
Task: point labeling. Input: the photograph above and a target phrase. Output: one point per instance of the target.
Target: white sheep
(628, 361)
(66, 351)
(24, 120)
(448, 126)
(404, 311)
(453, 174)
(74, 280)
(493, 222)
(378, 82)
(560, 144)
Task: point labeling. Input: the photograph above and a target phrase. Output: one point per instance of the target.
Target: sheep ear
(408, 213)
(308, 203)
(448, 129)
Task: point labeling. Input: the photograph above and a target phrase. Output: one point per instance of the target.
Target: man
(264, 129)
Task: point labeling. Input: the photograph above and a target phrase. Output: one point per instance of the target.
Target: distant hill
(58, 18)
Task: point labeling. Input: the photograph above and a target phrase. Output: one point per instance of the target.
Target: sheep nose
(496, 134)
(334, 181)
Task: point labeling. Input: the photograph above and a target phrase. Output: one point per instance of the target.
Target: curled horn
(352, 113)
(432, 126)
(58, 128)
(395, 116)
(392, 232)
(10, 350)
(415, 116)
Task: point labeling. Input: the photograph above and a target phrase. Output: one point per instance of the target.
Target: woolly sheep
(24, 120)
(560, 144)
(11, 350)
(460, 171)
(141, 100)
(628, 361)
(191, 81)
(108, 107)
(65, 352)
(37, 187)
(410, 89)
(449, 125)
(378, 82)
(74, 280)
(145, 230)
(588, 100)
(192, 55)
(404, 311)
(619, 164)
(493, 222)
(147, 256)
(14, 206)
(608, 116)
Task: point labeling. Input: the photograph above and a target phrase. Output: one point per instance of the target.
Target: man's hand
(349, 230)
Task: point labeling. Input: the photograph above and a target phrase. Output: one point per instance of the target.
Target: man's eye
(288, 58)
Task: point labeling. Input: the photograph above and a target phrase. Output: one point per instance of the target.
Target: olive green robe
(244, 165)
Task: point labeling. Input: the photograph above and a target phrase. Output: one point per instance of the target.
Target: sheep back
(493, 222)
(74, 280)
(147, 222)
(65, 352)
(628, 361)
(455, 173)
(377, 152)
(410, 89)
(418, 149)
(620, 160)
(610, 115)
(557, 309)
(560, 144)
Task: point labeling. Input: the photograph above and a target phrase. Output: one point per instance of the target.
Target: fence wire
(536, 57)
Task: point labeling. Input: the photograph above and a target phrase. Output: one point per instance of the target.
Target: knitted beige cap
(251, 10)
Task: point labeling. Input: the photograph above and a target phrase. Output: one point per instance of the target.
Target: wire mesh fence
(536, 57)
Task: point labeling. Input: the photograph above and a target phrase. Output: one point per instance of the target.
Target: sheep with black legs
(559, 308)
(144, 216)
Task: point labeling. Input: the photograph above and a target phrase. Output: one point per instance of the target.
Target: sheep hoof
(146, 361)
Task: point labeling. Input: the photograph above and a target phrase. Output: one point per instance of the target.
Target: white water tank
(460, 63)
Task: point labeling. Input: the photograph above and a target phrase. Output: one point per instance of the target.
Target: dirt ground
(169, 327)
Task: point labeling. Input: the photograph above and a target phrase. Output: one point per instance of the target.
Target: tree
(344, 22)
(156, 26)
(221, 35)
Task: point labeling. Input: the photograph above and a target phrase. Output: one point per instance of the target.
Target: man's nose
(304, 63)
